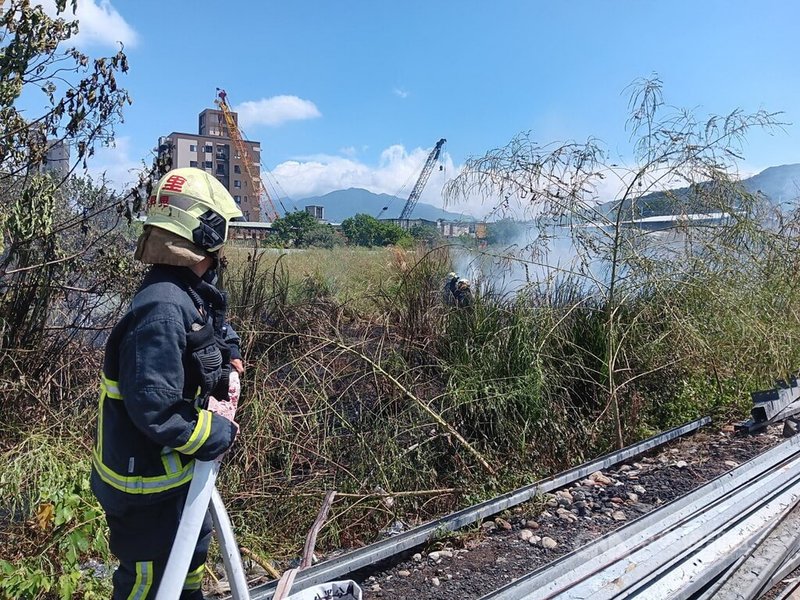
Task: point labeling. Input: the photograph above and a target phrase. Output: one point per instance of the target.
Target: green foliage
(426, 234)
(61, 265)
(50, 486)
(617, 262)
(66, 270)
(495, 374)
(81, 94)
(300, 229)
(366, 230)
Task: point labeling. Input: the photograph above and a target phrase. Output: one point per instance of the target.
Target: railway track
(733, 538)
(368, 556)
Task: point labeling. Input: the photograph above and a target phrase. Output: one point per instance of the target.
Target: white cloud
(400, 92)
(99, 24)
(396, 173)
(397, 170)
(115, 164)
(276, 111)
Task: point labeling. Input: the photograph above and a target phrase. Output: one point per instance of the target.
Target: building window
(237, 199)
(193, 163)
(220, 169)
(208, 164)
(237, 183)
(208, 149)
(192, 148)
(237, 169)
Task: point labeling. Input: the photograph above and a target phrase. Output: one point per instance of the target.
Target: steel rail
(573, 568)
(569, 570)
(666, 555)
(714, 587)
(717, 587)
(707, 557)
(790, 592)
(792, 562)
(711, 589)
(369, 555)
(763, 559)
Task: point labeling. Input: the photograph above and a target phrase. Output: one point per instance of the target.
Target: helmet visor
(211, 230)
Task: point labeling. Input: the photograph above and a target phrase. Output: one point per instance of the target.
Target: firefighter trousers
(141, 538)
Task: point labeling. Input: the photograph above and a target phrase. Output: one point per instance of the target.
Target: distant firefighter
(449, 291)
(457, 291)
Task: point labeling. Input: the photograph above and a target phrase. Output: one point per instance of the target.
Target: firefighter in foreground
(164, 398)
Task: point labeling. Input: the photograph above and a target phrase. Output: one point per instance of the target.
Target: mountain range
(779, 185)
(341, 204)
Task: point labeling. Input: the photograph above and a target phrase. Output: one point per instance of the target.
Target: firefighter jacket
(163, 359)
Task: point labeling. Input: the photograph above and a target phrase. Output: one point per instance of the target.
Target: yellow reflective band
(100, 432)
(171, 461)
(194, 579)
(142, 485)
(111, 387)
(199, 435)
(144, 579)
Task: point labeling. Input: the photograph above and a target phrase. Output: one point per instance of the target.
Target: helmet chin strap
(212, 275)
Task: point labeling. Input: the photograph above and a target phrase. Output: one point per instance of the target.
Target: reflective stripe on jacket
(151, 424)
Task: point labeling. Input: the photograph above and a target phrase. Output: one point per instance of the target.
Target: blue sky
(355, 92)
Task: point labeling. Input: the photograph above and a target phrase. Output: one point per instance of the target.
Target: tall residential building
(212, 150)
(56, 161)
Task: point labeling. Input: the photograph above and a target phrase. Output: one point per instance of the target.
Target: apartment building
(56, 161)
(212, 150)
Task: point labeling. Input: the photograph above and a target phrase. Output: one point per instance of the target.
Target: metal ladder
(202, 492)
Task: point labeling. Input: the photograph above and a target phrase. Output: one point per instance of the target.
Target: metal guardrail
(369, 555)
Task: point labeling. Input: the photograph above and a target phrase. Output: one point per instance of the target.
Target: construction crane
(252, 168)
(422, 180)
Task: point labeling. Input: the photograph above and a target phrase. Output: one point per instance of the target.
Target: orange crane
(252, 168)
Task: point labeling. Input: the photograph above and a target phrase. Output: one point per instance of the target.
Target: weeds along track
(400, 544)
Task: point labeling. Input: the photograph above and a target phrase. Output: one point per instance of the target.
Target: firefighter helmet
(193, 205)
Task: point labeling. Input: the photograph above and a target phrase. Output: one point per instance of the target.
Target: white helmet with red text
(193, 205)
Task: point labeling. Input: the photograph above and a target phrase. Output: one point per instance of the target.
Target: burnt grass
(474, 562)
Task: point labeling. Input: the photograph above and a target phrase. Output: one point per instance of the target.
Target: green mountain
(779, 185)
(342, 204)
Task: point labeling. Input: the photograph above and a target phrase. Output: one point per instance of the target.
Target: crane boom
(422, 180)
(265, 203)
